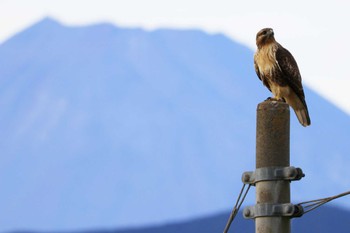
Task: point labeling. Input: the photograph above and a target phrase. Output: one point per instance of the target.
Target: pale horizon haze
(315, 32)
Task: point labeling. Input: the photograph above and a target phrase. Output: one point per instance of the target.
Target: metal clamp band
(271, 210)
(272, 173)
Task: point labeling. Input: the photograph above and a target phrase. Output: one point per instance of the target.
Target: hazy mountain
(107, 127)
(323, 220)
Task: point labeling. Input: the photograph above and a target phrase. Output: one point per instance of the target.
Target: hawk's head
(264, 36)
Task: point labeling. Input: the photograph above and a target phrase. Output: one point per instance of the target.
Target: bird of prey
(279, 72)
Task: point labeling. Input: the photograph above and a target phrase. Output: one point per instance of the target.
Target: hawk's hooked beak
(271, 33)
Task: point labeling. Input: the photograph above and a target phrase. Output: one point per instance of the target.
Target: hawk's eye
(264, 32)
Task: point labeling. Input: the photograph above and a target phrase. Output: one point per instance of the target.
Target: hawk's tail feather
(300, 108)
(303, 116)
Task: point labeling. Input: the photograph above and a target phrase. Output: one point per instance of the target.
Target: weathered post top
(272, 134)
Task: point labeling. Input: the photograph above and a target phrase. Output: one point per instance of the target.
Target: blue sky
(316, 32)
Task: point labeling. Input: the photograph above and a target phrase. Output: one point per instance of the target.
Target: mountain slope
(110, 127)
(323, 220)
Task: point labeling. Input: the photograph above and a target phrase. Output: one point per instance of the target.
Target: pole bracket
(273, 210)
(272, 173)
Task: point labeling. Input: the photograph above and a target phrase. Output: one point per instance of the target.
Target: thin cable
(235, 209)
(311, 205)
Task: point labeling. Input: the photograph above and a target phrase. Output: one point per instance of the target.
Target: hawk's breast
(265, 58)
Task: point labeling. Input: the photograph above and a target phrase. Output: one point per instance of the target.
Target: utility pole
(273, 210)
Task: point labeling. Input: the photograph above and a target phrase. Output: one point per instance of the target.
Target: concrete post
(272, 150)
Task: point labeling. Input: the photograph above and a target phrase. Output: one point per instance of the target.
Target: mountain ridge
(323, 220)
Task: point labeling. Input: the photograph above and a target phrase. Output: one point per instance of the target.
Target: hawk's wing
(290, 71)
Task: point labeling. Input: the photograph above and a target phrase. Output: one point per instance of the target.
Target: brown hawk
(279, 72)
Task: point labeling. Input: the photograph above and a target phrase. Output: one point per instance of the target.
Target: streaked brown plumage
(279, 72)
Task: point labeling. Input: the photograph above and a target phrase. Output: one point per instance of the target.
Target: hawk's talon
(275, 99)
(271, 99)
